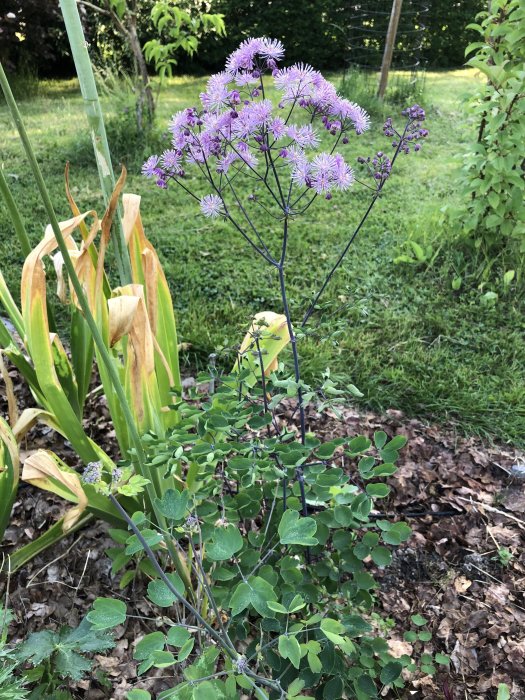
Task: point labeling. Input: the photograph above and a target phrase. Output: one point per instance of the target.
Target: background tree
(178, 27)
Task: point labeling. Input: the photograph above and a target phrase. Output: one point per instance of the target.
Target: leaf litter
(463, 498)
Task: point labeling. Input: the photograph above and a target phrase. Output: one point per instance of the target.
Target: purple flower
(272, 49)
(342, 173)
(293, 81)
(415, 112)
(304, 136)
(116, 475)
(243, 58)
(353, 112)
(237, 128)
(277, 127)
(92, 473)
(211, 206)
(172, 161)
(150, 167)
(217, 95)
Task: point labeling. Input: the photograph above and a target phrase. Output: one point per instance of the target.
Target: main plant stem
(297, 370)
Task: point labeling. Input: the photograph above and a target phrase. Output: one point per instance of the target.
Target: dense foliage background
(315, 31)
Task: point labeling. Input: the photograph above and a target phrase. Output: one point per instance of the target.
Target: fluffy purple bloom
(224, 163)
(343, 175)
(211, 205)
(353, 112)
(245, 57)
(295, 155)
(217, 94)
(150, 167)
(295, 80)
(277, 127)
(304, 136)
(272, 49)
(172, 161)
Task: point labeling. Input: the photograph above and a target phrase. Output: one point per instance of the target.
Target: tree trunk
(146, 98)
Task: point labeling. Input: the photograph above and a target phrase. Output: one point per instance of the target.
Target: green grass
(406, 339)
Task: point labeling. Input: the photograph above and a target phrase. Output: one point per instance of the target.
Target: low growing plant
(270, 531)
(56, 658)
(283, 597)
(12, 685)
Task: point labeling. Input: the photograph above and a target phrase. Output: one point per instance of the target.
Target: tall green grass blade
(9, 474)
(95, 118)
(48, 539)
(14, 215)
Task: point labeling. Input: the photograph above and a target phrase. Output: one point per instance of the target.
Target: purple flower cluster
(413, 131)
(92, 473)
(238, 128)
(379, 166)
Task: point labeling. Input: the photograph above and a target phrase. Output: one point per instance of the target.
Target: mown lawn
(405, 337)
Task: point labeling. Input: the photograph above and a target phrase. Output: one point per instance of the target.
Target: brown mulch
(468, 499)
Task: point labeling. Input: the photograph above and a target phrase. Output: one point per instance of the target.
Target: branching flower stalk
(239, 132)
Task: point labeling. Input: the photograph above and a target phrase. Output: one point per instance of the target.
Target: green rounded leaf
(391, 672)
(161, 595)
(442, 659)
(177, 636)
(148, 644)
(205, 690)
(332, 630)
(367, 685)
(107, 613)
(419, 620)
(173, 504)
(137, 694)
(381, 556)
(296, 530)
(377, 490)
(226, 542)
(289, 648)
(186, 650)
(333, 690)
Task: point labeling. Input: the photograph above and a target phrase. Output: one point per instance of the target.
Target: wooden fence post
(389, 46)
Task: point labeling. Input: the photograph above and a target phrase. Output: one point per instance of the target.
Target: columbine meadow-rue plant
(240, 132)
(275, 537)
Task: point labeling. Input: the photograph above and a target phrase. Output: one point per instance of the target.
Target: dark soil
(463, 498)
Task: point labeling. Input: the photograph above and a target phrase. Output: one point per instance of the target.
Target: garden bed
(463, 498)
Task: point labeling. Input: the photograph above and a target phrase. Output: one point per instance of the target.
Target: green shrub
(493, 177)
(283, 597)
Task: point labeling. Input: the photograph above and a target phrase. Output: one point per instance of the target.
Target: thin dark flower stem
(209, 593)
(264, 208)
(339, 260)
(153, 559)
(297, 372)
(263, 378)
(342, 255)
(247, 217)
(179, 183)
(229, 216)
(257, 174)
(271, 261)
